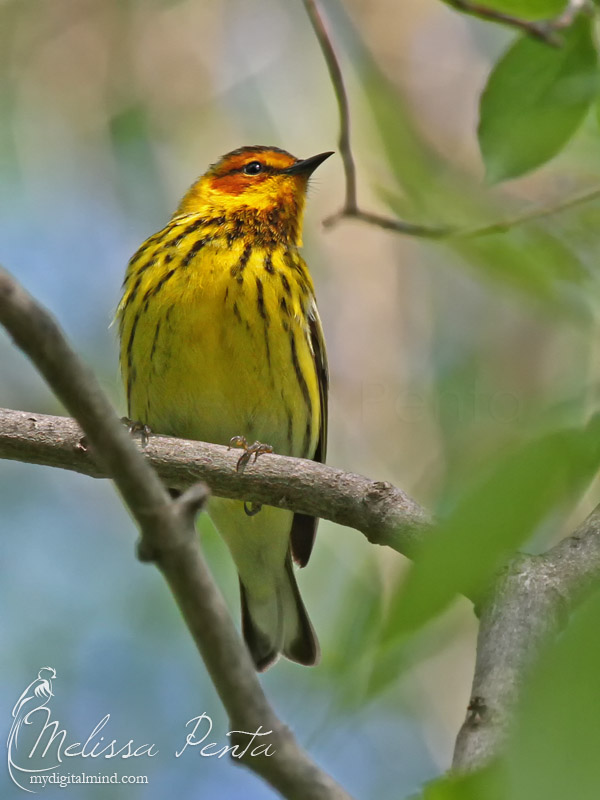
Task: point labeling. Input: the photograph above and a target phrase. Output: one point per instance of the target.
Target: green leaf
(485, 784)
(553, 753)
(490, 521)
(535, 99)
(525, 9)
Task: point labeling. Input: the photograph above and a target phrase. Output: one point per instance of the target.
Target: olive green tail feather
(280, 626)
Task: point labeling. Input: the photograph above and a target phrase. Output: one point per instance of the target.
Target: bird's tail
(279, 624)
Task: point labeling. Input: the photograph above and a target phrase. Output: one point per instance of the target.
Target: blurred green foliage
(494, 335)
(553, 742)
(491, 520)
(484, 784)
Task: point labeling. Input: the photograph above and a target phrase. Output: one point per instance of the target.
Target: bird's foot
(257, 449)
(135, 426)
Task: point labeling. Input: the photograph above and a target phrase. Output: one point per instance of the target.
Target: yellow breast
(215, 341)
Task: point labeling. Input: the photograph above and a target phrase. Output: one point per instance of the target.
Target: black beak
(307, 166)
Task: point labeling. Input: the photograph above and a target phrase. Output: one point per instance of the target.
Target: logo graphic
(39, 748)
(33, 700)
(37, 744)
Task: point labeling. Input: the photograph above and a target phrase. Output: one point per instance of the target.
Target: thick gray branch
(168, 537)
(385, 514)
(526, 606)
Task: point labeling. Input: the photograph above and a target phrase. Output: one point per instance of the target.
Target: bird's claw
(257, 449)
(252, 509)
(135, 426)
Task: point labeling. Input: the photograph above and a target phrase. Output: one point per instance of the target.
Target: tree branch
(526, 606)
(169, 538)
(546, 31)
(382, 512)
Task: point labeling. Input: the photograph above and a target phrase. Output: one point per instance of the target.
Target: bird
(40, 689)
(221, 341)
(35, 697)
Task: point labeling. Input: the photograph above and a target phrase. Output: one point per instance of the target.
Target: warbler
(220, 341)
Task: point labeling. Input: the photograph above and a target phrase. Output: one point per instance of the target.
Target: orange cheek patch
(230, 184)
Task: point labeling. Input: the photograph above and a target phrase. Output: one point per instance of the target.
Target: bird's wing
(304, 527)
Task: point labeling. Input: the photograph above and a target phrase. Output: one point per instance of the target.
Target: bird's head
(264, 182)
(47, 673)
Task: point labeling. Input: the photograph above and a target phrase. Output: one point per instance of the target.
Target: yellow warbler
(221, 338)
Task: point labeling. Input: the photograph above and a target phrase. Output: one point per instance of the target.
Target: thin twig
(391, 224)
(168, 538)
(351, 210)
(544, 30)
(533, 214)
(337, 80)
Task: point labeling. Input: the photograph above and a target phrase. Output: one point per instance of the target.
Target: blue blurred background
(109, 109)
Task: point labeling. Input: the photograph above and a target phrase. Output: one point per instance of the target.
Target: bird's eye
(253, 168)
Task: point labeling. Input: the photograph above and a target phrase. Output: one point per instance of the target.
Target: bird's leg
(257, 449)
